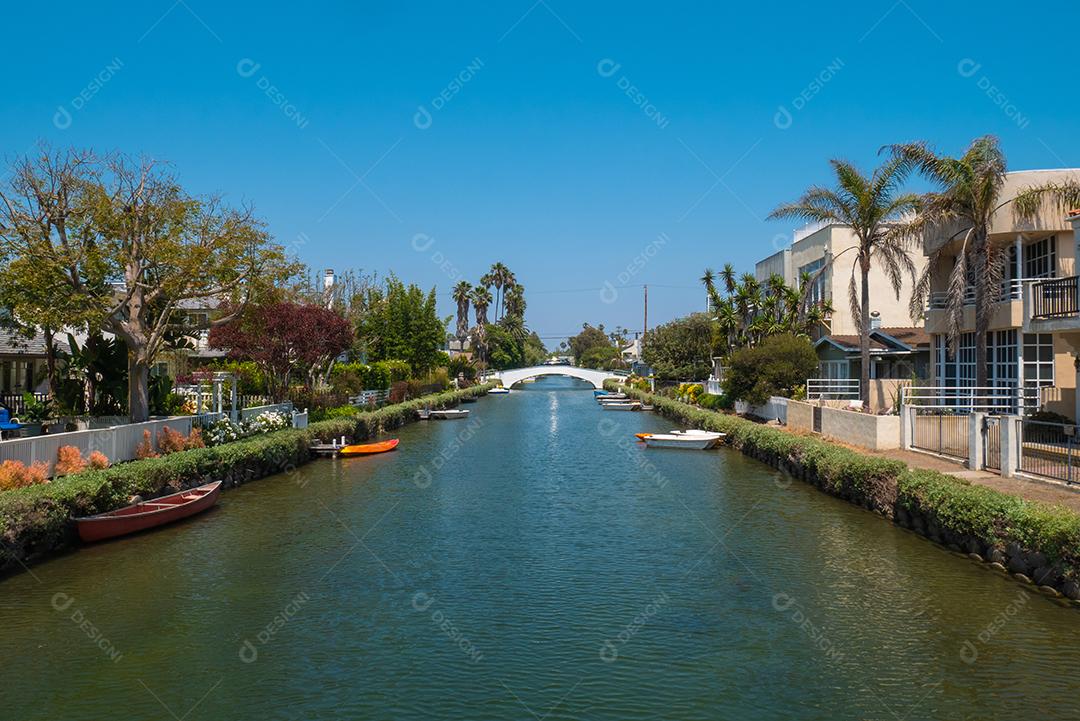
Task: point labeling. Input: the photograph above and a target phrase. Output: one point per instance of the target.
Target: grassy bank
(38, 521)
(1037, 540)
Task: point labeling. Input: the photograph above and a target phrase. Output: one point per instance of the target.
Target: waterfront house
(1034, 332)
(22, 365)
(833, 247)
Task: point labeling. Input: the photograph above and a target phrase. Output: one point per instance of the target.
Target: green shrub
(778, 366)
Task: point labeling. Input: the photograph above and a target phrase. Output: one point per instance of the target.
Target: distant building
(812, 249)
(22, 363)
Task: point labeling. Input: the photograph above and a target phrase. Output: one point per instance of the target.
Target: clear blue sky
(540, 158)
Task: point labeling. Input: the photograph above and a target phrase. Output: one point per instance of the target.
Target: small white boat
(447, 414)
(694, 441)
(608, 397)
(498, 391)
(629, 406)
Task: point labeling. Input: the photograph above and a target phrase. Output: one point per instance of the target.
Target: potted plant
(34, 415)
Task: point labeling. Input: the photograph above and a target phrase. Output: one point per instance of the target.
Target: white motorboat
(447, 414)
(678, 432)
(694, 441)
(609, 397)
(625, 406)
(498, 391)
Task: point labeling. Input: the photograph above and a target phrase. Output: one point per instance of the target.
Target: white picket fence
(118, 443)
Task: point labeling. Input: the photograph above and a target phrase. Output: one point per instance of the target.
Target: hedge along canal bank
(38, 521)
(1035, 542)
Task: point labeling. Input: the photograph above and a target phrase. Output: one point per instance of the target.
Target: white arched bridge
(516, 375)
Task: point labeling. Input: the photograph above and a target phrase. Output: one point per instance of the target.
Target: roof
(13, 342)
(882, 340)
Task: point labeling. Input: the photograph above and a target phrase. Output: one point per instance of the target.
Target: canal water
(530, 562)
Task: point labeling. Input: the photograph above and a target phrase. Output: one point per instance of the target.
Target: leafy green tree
(589, 337)
(601, 357)
(403, 323)
(870, 206)
(777, 367)
(681, 349)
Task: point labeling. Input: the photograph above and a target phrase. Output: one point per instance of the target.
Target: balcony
(1052, 305)
(1008, 311)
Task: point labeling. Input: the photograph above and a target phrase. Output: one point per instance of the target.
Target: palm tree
(514, 301)
(463, 297)
(481, 299)
(870, 206)
(500, 277)
(728, 276)
(964, 206)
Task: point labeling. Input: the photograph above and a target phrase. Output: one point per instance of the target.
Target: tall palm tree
(481, 299)
(968, 199)
(514, 301)
(499, 276)
(869, 206)
(463, 297)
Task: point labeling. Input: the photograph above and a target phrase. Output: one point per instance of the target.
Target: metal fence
(832, 389)
(971, 399)
(943, 433)
(1049, 450)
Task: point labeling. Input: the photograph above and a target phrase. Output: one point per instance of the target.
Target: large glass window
(834, 369)
(816, 293)
(1040, 258)
(1038, 359)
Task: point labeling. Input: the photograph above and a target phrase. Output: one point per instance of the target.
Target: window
(817, 290)
(1040, 258)
(1038, 360)
(834, 369)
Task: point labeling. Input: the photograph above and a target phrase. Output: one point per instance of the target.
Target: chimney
(875, 320)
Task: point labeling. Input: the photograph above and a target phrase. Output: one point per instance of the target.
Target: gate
(1050, 450)
(942, 433)
(991, 440)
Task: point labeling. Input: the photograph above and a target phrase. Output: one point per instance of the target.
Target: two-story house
(1034, 330)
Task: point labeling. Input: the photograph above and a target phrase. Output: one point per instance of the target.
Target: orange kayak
(366, 449)
(642, 436)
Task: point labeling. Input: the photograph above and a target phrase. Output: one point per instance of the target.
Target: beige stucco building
(812, 249)
(1035, 327)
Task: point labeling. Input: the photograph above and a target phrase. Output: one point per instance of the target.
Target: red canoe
(366, 449)
(147, 514)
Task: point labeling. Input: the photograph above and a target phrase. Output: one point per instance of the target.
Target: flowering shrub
(98, 460)
(146, 448)
(223, 431)
(68, 460)
(267, 422)
(15, 474)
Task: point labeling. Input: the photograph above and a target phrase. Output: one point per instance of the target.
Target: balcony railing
(1010, 290)
(832, 389)
(1055, 298)
(971, 399)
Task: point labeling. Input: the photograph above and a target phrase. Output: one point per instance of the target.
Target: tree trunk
(50, 361)
(138, 388)
(864, 336)
(984, 306)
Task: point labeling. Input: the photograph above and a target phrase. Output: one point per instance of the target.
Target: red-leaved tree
(285, 340)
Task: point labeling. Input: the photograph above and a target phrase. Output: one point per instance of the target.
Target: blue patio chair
(5, 422)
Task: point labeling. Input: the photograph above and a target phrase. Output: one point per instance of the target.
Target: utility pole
(646, 327)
